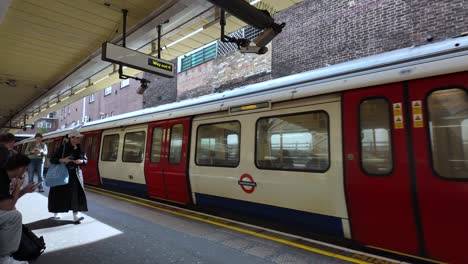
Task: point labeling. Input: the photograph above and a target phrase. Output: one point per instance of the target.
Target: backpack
(31, 246)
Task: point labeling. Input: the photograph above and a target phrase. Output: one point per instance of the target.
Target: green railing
(199, 57)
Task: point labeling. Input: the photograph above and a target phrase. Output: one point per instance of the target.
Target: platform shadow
(48, 223)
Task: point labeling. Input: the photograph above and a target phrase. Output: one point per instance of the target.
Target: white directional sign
(137, 60)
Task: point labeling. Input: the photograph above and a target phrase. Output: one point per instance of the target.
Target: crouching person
(11, 181)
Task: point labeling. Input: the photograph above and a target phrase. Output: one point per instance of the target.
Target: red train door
(166, 160)
(154, 173)
(91, 142)
(377, 174)
(439, 110)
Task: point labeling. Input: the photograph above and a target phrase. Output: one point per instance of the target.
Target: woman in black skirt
(71, 196)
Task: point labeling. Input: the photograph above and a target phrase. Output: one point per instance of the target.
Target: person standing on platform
(71, 196)
(11, 180)
(37, 152)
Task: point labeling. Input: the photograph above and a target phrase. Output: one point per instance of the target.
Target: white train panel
(317, 192)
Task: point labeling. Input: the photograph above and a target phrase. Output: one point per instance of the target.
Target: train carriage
(374, 150)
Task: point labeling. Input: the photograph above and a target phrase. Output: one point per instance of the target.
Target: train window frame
(161, 146)
(428, 131)
(102, 147)
(290, 169)
(122, 158)
(171, 129)
(238, 145)
(391, 137)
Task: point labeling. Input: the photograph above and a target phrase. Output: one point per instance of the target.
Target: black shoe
(41, 190)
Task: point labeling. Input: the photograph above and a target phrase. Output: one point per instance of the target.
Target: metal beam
(246, 12)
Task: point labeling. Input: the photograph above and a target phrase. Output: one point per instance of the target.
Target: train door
(91, 143)
(166, 160)
(377, 175)
(439, 113)
(154, 172)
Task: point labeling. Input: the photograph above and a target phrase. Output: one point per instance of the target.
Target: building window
(124, 83)
(108, 91)
(91, 98)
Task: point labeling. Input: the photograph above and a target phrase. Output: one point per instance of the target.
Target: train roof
(438, 58)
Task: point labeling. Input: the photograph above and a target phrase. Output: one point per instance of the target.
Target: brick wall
(320, 33)
(161, 90)
(121, 100)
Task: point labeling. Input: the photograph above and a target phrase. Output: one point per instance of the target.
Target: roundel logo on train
(247, 183)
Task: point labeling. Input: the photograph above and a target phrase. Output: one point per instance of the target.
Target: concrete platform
(117, 231)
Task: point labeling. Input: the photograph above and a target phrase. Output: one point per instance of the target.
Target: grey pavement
(116, 231)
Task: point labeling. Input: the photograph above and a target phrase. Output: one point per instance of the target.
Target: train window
(134, 147)
(90, 149)
(218, 144)
(175, 147)
(156, 143)
(110, 147)
(293, 142)
(448, 126)
(376, 146)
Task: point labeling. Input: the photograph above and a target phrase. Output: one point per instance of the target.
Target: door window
(90, 149)
(156, 143)
(376, 145)
(448, 128)
(175, 148)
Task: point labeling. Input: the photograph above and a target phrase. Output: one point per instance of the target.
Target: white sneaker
(11, 260)
(77, 218)
(56, 216)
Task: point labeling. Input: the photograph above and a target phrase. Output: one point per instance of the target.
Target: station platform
(122, 229)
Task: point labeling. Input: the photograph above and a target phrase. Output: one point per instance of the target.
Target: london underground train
(374, 150)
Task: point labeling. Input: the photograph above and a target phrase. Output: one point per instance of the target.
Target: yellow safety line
(408, 255)
(241, 230)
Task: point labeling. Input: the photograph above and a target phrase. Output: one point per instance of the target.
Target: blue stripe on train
(129, 186)
(315, 223)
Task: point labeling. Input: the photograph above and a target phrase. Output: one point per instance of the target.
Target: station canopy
(50, 50)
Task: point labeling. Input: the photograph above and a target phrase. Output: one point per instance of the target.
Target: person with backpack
(37, 152)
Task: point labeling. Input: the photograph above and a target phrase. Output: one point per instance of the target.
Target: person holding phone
(11, 180)
(37, 152)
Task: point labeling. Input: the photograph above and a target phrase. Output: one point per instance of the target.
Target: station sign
(137, 60)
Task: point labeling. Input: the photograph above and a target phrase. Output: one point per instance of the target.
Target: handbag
(31, 246)
(57, 174)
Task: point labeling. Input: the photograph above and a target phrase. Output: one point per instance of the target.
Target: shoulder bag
(57, 174)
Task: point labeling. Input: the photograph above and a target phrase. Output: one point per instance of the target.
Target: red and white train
(374, 150)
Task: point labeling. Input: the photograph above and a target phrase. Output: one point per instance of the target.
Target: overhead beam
(246, 12)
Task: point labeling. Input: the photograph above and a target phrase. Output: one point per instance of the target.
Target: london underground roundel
(247, 183)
